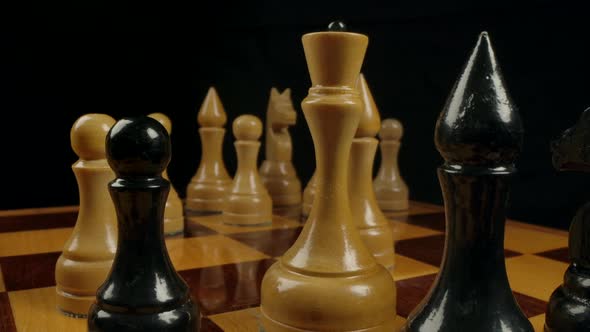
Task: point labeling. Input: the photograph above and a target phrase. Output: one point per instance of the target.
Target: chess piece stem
(479, 134)
(308, 196)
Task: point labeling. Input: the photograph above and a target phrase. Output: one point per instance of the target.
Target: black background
(62, 59)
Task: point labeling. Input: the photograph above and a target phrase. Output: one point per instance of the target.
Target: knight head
(572, 150)
(281, 112)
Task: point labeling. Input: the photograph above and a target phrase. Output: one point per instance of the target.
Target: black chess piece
(568, 309)
(143, 292)
(479, 134)
(337, 26)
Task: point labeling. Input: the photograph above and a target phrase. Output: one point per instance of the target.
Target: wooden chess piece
(247, 202)
(390, 189)
(88, 254)
(206, 191)
(143, 292)
(173, 212)
(374, 227)
(479, 134)
(328, 280)
(308, 196)
(277, 171)
(568, 309)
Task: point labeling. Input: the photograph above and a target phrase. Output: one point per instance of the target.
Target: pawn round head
(138, 147)
(247, 128)
(391, 129)
(88, 134)
(163, 120)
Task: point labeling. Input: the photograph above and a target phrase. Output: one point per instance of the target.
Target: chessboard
(224, 265)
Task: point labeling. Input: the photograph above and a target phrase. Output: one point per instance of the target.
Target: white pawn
(248, 202)
(88, 254)
(390, 189)
(173, 213)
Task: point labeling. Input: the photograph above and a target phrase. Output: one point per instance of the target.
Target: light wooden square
(409, 268)
(538, 322)
(215, 222)
(191, 253)
(528, 240)
(34, 242)
(247, 320)
(535, 276)
(36, 310)
(404, 231)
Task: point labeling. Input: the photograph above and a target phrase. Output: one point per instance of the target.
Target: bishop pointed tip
(370, 120)
(211, 113)
(479, 123)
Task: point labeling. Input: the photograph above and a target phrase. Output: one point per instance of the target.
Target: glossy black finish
(143, 292)
(571, 152)
(337, 26)
(569, 305)
(479, 134)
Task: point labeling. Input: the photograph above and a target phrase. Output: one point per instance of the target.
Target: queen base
(294, 301)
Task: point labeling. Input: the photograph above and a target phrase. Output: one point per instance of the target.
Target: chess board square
(227, 287)
(36, 310)
(409, 268)
(530, 306)
(411, 291)
(424, 249)
(538, 322)
(29, 271)
(403, 231)
(33, 242)
(194, 229)
(190, 253)
(6, 319)
(561, 255)
(429, 249)
(207, 325)
(215, 222)
(247, 320)
(273, 242)
(535, 276)
(415, 208)
(434, 221)
(528, 240)
(2, 286)
(31, 219)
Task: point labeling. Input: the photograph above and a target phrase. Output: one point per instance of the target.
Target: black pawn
(569, 306)
(143, 292)
(479, 134)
